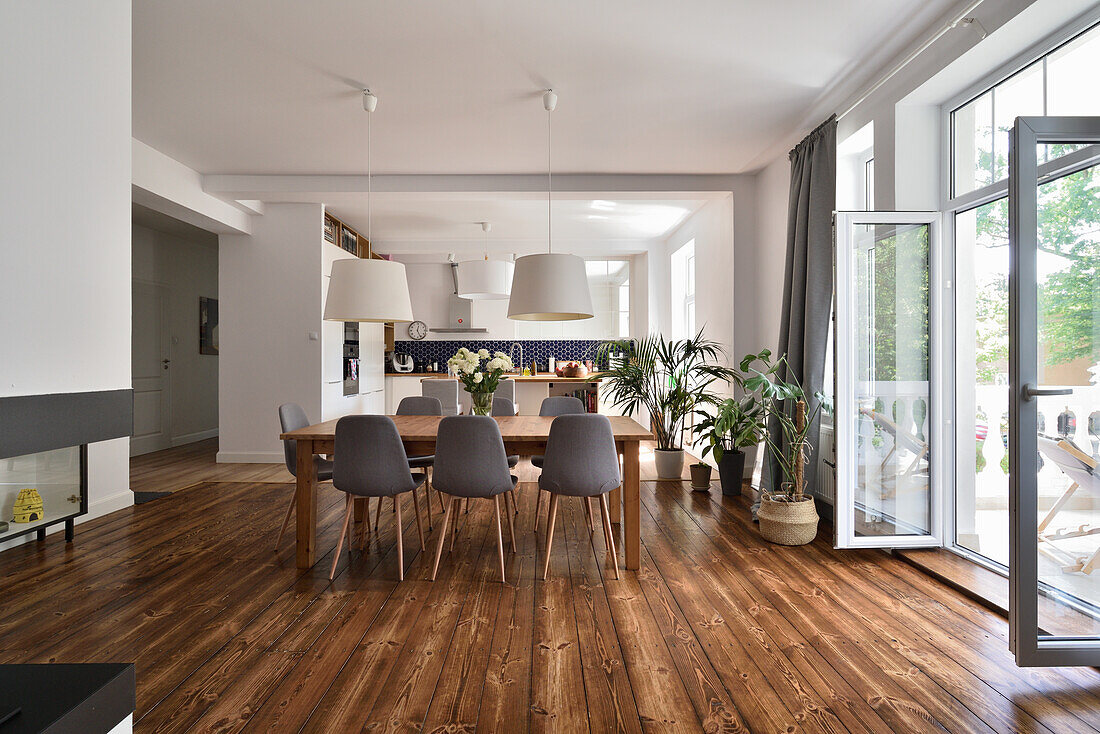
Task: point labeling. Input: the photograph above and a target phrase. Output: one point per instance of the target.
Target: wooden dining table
(523, 434)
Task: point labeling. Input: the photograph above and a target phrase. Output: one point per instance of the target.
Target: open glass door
(1054, 373)
(887, 493)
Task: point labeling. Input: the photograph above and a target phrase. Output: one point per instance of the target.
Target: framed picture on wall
(208, 325)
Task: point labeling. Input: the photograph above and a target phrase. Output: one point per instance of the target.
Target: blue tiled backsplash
(534, 350)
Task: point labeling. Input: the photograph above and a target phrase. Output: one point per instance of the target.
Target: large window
(683, 291)
(1064, 82)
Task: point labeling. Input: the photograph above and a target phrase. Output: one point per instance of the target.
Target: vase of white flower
(480, 372)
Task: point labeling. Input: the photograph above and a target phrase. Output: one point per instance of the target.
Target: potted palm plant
(788, 516)
(668, 379)
(727, 428)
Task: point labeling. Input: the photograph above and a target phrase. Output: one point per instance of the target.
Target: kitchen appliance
(458, 313)
(402, 362)
(351, 368)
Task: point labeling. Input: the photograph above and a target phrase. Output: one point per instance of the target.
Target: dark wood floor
(718, 631)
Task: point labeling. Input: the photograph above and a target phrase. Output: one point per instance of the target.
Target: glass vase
(482, 403)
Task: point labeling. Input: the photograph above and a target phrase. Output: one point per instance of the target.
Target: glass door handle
(1031, 391)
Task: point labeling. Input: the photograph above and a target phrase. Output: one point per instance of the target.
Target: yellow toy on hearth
(28, 506)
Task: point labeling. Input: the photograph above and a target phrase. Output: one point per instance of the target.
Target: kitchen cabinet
(371, 396)
(398, 387)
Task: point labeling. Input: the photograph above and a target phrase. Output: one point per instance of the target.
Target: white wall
(770, 254)
(716, 277)
(65, 211)
(269, 307)
(431, 287)
(188, 268)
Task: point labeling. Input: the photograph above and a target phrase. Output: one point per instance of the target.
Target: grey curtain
(808, 282)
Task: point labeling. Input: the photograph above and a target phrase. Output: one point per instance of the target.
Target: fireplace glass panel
(40, 489)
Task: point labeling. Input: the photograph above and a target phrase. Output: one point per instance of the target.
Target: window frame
(951, 207)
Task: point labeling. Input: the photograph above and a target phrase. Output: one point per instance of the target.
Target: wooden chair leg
(608, 533)
(286, 521)
(439, 496)
(500, 538)
(515, 507)
(442, 535)
(419, 527)
(400, 544)
(588, 513)
(552, 516)
(511, 522)
(378, 513)
(466, 507)
(364, 528)
(538, 506)
(454, 521)
(428, 502)
(340, 544)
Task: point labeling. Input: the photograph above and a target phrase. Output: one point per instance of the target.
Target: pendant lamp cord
(370, 241)
(549, 182)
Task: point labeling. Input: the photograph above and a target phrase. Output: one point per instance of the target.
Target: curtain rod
(970, 8)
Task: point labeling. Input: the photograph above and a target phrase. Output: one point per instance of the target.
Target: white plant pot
(670, 463)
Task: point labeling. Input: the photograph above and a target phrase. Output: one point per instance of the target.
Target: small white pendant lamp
(366, 289)
(484, 280)
(550, 286)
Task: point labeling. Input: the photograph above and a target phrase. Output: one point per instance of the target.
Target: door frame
(1023, 184)
(161, 290)
(845, 354)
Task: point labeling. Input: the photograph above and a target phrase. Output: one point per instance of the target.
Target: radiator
(825, 473)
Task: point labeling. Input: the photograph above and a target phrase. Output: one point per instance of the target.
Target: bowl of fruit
(571, 369)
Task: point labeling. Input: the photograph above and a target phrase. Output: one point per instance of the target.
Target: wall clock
(418, 330)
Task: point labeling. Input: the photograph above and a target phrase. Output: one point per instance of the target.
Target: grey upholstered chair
(581, 461)
(555, 406)
(505, 406)
(470, 463)
(371, 462)
(506, 388)
(445, 389)
(421, 405)
(291, 418)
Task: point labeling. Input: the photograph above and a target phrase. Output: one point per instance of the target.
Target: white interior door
(887, 422)
(1054, 378)
(150, 367)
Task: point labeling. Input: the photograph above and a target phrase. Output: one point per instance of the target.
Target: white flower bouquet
(480, 373)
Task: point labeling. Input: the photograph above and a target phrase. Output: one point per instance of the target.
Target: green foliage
(899, 299)
(731, 425)
(1069, 297)
(666, 378)
(779, 393)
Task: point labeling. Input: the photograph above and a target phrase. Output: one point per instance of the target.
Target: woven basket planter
(788, 523)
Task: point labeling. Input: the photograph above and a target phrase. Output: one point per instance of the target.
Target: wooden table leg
(632, 505)
(306, 506)
(615, 501)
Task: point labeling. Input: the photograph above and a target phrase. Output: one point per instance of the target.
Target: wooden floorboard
(717, 631)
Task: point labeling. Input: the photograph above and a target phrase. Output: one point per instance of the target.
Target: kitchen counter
(517, 378)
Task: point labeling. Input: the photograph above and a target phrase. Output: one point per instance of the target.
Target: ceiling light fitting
(368, 289)
(550, 286)
(484, 280)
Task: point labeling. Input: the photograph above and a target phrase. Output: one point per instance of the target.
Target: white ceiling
(587, 224)
(646, 86)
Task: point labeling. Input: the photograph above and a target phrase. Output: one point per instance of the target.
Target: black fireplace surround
(31, 424)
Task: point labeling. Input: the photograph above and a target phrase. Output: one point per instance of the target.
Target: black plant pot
(730, 470)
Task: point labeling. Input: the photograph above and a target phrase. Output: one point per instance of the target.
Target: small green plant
(730, 425)
(783, 401)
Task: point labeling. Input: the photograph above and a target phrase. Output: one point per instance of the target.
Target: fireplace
(41, 489)
(44, 456)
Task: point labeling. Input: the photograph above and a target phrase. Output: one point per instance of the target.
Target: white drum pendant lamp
(367, 289)
(484, 280)
(550, 286)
